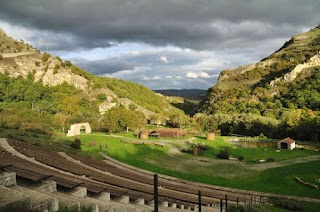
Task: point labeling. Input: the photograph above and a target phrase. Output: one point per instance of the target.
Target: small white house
(286, 143)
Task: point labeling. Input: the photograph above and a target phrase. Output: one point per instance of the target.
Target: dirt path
(10, 55)
(264, 166)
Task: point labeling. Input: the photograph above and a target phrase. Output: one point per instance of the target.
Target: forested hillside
(279, 96)
(42, 92)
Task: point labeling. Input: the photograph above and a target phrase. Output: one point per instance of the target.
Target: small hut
(286, 143)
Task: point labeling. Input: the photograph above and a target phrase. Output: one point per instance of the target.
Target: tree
(61, 120)
(102, 97)
(179, 120)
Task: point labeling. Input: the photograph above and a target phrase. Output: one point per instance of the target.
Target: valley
(273, 105)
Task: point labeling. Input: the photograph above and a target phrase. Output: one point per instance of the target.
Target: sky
(162, 44)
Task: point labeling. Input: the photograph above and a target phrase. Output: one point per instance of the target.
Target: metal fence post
(155, 184)
(199, 200)
(226, 203)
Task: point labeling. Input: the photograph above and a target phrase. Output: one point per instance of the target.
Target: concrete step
(13, 201)
(8, 178)
(47, 186)
(50, 188)
(39, 201)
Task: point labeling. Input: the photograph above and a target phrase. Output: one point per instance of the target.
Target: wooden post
(199, 200)
(226, 203)
(221, 205)
(155, 185)
(237, 201)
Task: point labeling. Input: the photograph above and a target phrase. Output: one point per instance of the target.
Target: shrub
(241, 158)
(102, 97)
(270, 160)
(1, 57)
(287, 204)
(242, 208)
(224, 154)
(189, 151)
(76, 144)
(45, 57)
(58, 58)
(57, 67)
(132, 106)
(37, 63)
(68, 63)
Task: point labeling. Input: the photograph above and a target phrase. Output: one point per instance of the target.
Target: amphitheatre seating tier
(134, 189)
(110, 166)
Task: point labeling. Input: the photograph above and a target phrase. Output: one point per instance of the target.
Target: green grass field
(209, 169)
(169, 160)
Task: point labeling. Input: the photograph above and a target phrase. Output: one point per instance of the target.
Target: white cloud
(164, 59)
(194, 75)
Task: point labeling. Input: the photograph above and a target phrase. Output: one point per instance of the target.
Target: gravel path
(264, 166)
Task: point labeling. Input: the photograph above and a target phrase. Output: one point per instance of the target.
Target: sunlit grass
(208, 169)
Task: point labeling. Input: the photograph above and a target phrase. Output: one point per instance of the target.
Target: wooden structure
(169, 133)
(286, 143)
(210, 136)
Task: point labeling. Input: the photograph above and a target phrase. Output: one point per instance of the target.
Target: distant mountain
(283, 88)
(189, 94)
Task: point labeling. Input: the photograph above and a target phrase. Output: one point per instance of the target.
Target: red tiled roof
(288, 140)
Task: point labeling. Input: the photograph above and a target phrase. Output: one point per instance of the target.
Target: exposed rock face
(292, 75)
(20, 59)
(105, 106)
(224, 75)
(2, 33)
(21, 64)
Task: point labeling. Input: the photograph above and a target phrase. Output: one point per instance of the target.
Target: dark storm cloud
(107, 66)
(202, 24)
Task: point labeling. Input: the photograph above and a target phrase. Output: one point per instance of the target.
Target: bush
(76, 144)
(37, 63)
(270, 160)
(102, 97)
(242, 208)
(56, 69)
(1, 57)
(58, 58)
(241, 158)
(290, 205)
(224, 154)
(45, 57)
(68, 63)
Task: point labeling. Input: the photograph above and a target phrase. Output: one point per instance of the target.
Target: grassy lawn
(251, 154)
(208, 169)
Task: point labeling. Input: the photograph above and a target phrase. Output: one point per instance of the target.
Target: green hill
(38, 88)
(279, 96)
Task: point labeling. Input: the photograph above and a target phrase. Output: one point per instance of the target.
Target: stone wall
(75, 129)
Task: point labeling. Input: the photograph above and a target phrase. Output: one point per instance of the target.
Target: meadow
(169, 160)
